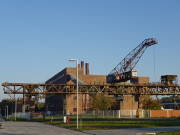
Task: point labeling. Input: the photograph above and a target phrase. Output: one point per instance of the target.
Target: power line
(154, 59)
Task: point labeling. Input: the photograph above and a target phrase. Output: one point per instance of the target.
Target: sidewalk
(35, 128)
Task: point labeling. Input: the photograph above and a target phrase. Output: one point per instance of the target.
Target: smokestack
(87, 68)
(82, 64)
(78, 66)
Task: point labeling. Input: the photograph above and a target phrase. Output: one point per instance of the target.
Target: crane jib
(124, 70)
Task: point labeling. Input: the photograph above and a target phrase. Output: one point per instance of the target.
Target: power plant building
(66, 103)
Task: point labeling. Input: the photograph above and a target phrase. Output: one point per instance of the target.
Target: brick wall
(94, 79)
(72, 103)
(165, 113)
(128, 103)
(140, 80)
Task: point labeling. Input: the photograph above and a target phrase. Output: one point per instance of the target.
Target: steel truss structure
(30, 89)
(120, 72)
(130, 61)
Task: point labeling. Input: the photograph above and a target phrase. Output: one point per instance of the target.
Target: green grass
(107, 123)
(111, 123)
(169, 133)
(12, 118)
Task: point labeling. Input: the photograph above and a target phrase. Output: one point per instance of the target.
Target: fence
(146, 113)
(117, 114)
(23, 115)
(111, 114)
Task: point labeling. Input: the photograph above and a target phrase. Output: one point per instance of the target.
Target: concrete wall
(23, 115)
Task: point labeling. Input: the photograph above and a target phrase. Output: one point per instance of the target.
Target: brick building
(66, 103)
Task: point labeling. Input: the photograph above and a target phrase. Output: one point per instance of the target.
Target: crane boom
(124, 70)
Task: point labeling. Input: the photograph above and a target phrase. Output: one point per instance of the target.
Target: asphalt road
(133, 131)
(35, 128)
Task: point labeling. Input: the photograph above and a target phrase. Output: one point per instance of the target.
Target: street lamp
(15, 110)
(6, 108)
(76, 85)
(0, 116)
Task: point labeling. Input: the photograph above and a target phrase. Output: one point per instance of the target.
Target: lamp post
(0, 116)
(76, 85)
(15, 110)
(6, 112)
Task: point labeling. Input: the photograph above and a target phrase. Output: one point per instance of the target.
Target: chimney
(78, 66)
(87, 68)
(82, 64)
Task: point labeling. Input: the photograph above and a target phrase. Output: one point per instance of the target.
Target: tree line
(97, 102)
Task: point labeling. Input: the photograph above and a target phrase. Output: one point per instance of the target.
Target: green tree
(102, 102)
(39, 107)
(150, 104)
(9, 103)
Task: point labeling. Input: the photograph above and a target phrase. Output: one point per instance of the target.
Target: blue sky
(38, 37)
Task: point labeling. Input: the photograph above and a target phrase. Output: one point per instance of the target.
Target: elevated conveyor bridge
(30, 89)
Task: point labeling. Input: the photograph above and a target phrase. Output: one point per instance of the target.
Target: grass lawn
(111, 123)
(169, 133)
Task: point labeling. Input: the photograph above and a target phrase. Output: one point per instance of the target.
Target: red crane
(124, 70)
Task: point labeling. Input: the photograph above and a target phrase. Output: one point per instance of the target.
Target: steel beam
(30, 89)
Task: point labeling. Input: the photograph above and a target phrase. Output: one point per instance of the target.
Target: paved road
(35, 128)
(133, 131)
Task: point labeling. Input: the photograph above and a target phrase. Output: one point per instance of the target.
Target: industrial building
(66, 103)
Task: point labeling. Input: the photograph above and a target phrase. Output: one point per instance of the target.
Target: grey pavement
(133, 131)
(35, 128)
